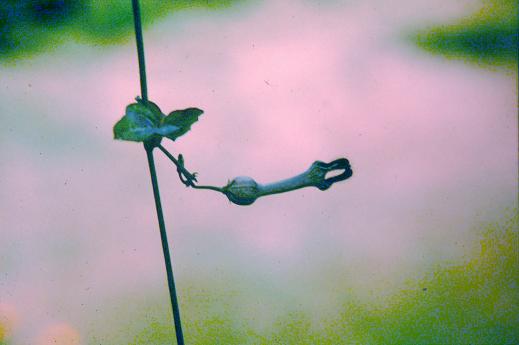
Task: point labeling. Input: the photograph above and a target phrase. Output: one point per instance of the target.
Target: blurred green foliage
(488, 37)
(2, 334)
(3, 340)
(28, 27)
(475, 302)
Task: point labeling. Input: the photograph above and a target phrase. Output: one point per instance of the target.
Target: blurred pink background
(432, 142)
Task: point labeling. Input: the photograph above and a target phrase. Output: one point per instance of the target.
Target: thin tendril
(190, 177)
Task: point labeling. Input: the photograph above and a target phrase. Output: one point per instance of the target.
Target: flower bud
(242, 190)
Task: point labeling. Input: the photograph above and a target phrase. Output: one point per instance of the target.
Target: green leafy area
(182, 119)
(29, 27)
(475, 301)
(144, 121)
(3, 340)
(488, 37)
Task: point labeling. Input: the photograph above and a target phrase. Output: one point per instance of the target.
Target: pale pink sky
(433, 145)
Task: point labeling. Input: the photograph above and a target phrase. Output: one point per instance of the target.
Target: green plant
(144, 122)
(473, 300)
(487, 37)
(29, 27)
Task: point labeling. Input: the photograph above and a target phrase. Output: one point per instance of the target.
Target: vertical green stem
(165, 249)
(140, 48)
(154, 180)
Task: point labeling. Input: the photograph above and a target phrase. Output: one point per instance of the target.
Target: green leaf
(141, 123)
(182, 119)
(134, 127)
(144, 121)
(167, 130)
(148, 110)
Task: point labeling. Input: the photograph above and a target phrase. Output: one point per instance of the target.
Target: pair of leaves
(144, 121)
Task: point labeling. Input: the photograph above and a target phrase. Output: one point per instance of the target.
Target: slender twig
(165, 249)
(140, 49)
(154, 181)
(190, 177)
(218, 189)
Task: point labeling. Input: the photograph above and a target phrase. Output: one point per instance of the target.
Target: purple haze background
(432, 142)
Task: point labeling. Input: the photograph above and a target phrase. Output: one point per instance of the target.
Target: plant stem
(165, 249)
(140, 48)
(217, 189)
(184, 171)
(154, 180)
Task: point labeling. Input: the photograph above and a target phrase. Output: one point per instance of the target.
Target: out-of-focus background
(418, 247)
